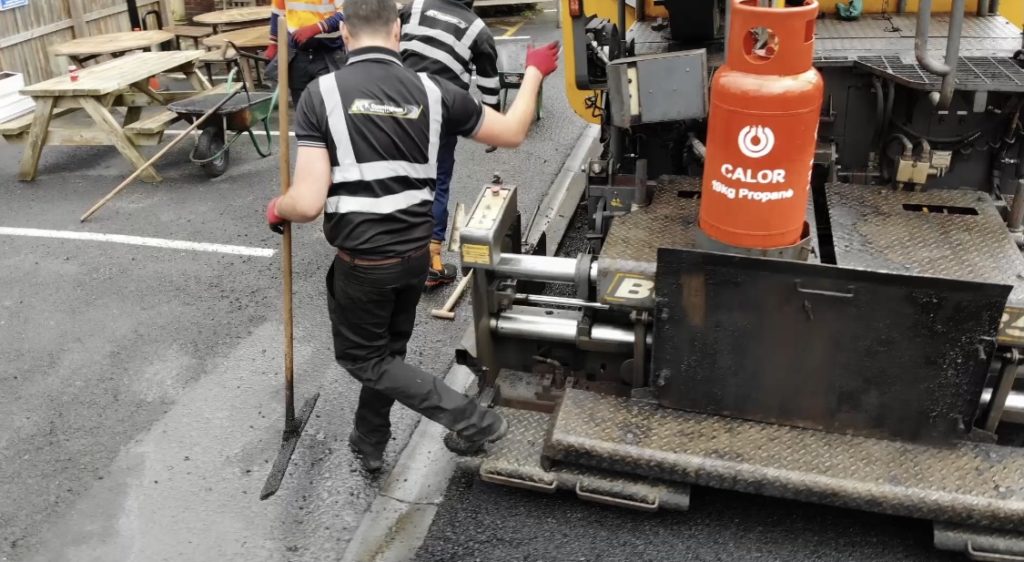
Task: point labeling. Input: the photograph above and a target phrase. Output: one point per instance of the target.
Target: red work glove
(544, 59)
(274, 220)
(307, 32)
(271, 51)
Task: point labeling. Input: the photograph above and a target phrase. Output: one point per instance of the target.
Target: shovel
(293, 424)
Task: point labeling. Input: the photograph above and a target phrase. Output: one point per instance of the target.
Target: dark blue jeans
(445, 165)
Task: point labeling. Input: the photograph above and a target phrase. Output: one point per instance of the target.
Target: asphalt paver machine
(868, 359)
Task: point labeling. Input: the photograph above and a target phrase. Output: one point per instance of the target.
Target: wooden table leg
(196, 78)
(36, 138)
(131, 115)
(118, 138)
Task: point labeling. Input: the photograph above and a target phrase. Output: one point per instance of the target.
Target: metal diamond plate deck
(894, 35)
(518, 457)
(871, 229)
(989, 74)
(967, 483)
(670, 221)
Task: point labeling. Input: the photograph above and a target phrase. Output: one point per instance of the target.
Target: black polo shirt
(381, 124)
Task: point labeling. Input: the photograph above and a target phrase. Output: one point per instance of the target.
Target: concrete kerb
(398, 520)
(395, 525)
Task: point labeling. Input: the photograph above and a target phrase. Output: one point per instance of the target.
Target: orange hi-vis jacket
(326, 13)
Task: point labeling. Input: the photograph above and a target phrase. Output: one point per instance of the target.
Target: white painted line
(551, 10)
(140, 241)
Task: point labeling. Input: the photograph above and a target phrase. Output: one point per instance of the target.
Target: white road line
(140, 241)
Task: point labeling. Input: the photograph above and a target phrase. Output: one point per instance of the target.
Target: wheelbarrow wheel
(211, 141)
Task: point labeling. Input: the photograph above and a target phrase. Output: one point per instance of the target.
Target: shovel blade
(289, 440)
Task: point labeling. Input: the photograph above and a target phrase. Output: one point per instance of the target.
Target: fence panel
(28, 32)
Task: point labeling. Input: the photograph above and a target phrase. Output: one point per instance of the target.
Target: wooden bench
(15, 130)
(150, 131)
(193, 32)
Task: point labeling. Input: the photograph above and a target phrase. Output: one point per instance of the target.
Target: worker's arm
(305, 199)
(509, 130)
(277, 12)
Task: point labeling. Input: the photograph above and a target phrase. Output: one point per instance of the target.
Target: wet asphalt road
(141, 398)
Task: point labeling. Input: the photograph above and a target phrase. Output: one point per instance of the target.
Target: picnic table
(248, 39)
(234, 17)
(121, 82)
(114, 44)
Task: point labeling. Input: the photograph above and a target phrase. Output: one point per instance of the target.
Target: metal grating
(969, 483)
(987, 74)
(516, 461)
(871, 229)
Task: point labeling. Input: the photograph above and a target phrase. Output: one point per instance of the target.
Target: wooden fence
(28, 32)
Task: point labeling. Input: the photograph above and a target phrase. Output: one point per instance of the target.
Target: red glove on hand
(307, 32)
(274, 220)
(271, 51)
(544, 59)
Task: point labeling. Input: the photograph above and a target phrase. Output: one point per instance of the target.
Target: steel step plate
(968, 483)
(516, 461)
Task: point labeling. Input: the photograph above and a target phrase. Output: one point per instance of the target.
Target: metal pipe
(557, 329)
(1013, 409)
(134, 21)
(947, 69)
(621, 15)
(559, 301)
(537, 268)
(901, 6)
(1016, 220)
(1004, 384)
(876, 85)
(984, 8)
(993, 6)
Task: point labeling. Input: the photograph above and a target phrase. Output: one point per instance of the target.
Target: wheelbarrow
(512, 67)
(237, 116)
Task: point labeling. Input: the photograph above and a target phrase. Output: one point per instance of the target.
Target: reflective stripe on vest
(348, 170)
(301, 14)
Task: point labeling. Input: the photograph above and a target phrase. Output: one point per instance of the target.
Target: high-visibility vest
(306, 12)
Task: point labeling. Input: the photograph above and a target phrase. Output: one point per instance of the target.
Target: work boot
(440, 273)
(371, 456)
(463, 446)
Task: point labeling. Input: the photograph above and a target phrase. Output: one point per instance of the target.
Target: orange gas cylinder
(762, 128)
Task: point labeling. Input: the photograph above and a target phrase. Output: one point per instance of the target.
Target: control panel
(493, 214)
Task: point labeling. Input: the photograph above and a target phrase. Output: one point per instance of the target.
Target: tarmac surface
(142, 399)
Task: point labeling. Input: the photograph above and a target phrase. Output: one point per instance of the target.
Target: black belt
(355, 260)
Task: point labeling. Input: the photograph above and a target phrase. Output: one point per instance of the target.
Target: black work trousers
(306, 64)
(373, 311)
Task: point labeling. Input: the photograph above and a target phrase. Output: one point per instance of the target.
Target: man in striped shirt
(369, 140)
(444, 38)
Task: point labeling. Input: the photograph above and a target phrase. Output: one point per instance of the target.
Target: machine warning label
(476, 253)
(627, 287)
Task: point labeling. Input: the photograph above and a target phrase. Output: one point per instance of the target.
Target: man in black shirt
(445, 38)
(368, 139)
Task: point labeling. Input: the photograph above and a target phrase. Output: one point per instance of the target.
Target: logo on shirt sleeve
(385, 109)
(446, 18)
